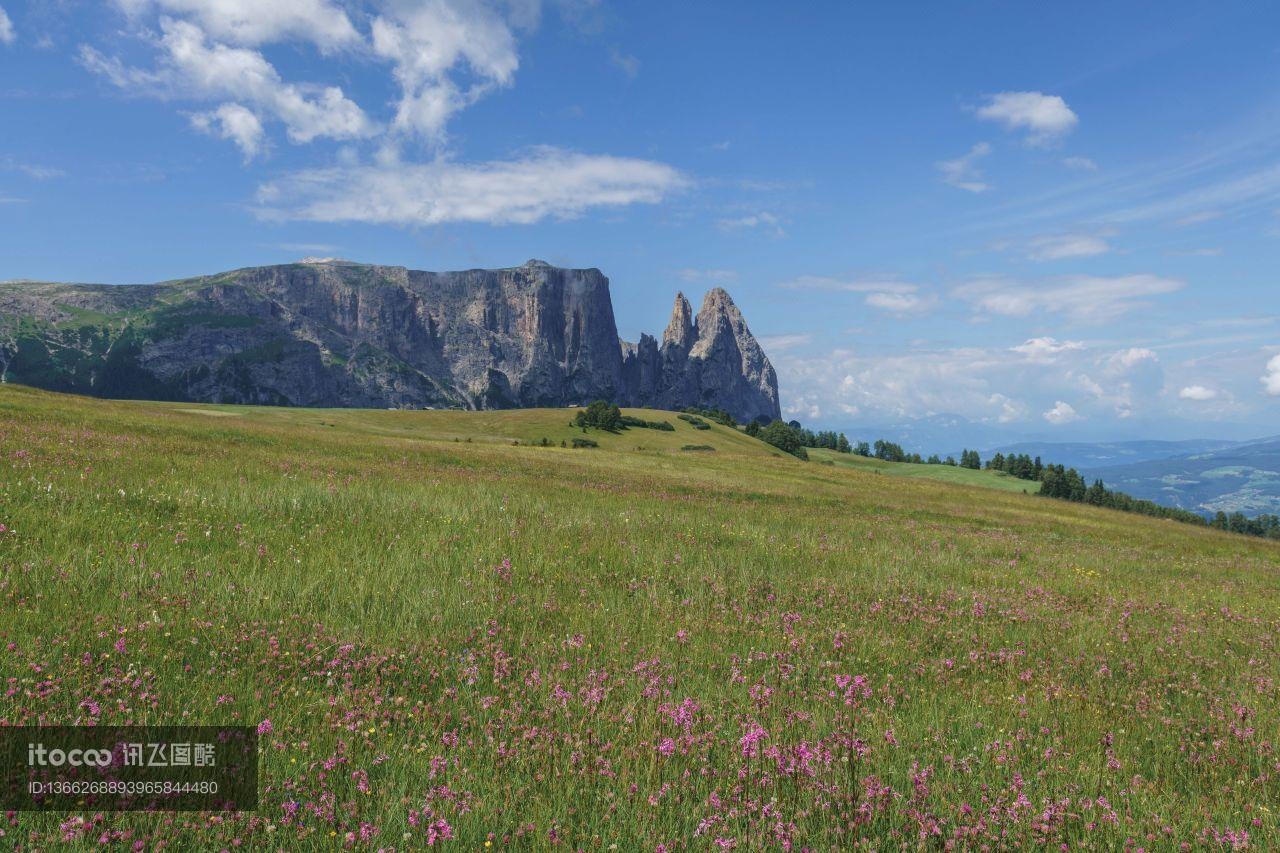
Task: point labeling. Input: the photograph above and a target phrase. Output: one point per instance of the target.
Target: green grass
(504, 635)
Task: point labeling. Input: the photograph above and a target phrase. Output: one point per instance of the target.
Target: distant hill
(1242, 477)
(1093, 455)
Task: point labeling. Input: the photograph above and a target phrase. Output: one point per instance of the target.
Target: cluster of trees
(890, 452)
(793, 438)
(1237, 522)
(781, 435)
(827, 439)
(606, 416)
(600, 415)
(1021, 466)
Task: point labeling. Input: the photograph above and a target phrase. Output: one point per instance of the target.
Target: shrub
(641, 423)
(699, 447)
(693, 421)
(720, 416)
(584, 442)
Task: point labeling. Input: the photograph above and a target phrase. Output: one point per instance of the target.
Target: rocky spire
(718, 316)
(679, 331)
(732, 367)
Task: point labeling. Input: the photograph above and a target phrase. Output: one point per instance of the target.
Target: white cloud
(1082, 164)
(194, 67)
(6, 28)
(1010, 410)
(1045, 350)
(1271, 378)
(693, 274)
(1198, 393)
(996, 384)
(1044, 117)
(547, 182)
(234, 122)
(1062, 413)
(963, 172)
(1127, 359)
(443, 56)
(254, 22)
(1081, 297)
(1057, 247)
(1134, 377)
(426, 41)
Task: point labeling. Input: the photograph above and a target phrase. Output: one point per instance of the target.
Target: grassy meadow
(451, 637)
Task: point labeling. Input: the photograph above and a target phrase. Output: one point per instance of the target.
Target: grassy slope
(346, 583)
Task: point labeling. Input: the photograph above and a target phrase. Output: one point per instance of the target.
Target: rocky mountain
(334, 333)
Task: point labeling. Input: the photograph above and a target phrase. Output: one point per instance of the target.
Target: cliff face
(341, 334)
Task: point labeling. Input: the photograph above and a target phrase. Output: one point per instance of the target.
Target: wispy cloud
(849, 285)
(1056, 247)
(886, 294)
(309, 248)
(693, 274)
(545, 183)
(629, 65)
(1082, 298)
(1081, 164)
(963, 172)
(784, 342)
(901, 304)
(1205, 252)
(7, 35)
(31, 170)
(761, 219)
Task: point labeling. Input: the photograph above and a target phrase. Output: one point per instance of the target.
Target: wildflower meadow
(449, 630)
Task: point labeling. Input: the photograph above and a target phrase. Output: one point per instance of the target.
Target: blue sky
(1056, 220)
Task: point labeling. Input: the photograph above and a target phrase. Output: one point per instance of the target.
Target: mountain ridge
(329, 332)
